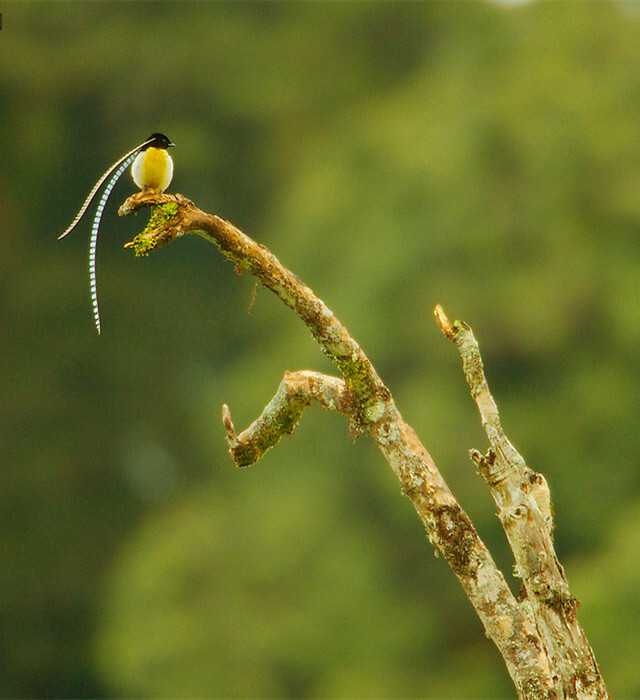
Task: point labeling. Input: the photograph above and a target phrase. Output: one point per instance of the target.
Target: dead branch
(524, 508)
(519, 630)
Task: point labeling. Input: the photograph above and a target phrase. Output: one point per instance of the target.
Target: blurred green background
(394, 155)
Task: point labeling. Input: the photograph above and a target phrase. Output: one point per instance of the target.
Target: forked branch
(539, 666)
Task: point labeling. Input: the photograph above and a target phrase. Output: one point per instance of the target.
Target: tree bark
(543, 646)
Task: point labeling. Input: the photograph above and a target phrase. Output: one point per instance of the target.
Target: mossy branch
(281, 415)
(175, 215)
(541, 668)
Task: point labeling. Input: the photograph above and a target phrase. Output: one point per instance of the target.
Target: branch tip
(447, 328)
(228, 426)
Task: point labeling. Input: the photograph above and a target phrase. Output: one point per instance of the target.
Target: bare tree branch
(535, 667)
(524, 508)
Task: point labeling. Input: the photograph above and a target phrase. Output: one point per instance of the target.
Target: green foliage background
(395, 156)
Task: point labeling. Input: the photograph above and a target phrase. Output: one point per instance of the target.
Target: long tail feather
(124, 164)
(97, 186)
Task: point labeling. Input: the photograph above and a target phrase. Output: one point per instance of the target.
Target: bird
(152, 170)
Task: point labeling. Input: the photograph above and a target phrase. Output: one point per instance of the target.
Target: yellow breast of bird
(153, 169)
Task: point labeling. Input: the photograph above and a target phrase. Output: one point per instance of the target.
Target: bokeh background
(484, 156)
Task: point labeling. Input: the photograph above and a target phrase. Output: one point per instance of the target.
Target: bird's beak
(171, 144)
